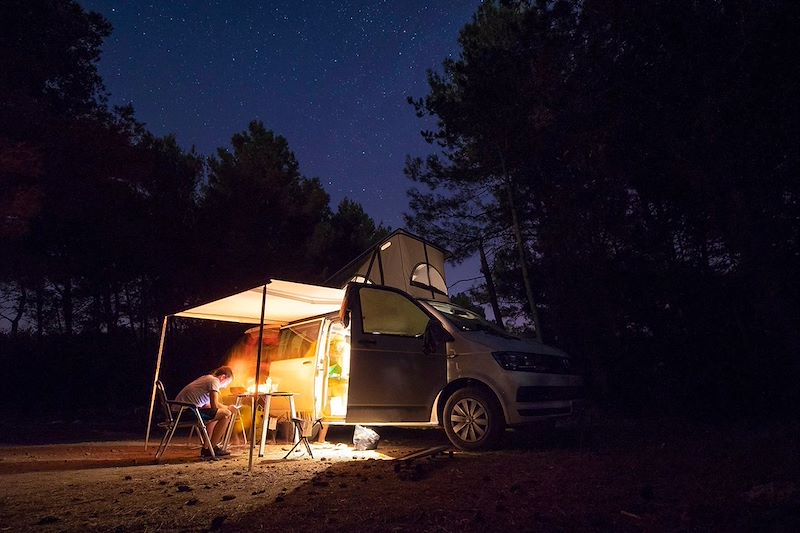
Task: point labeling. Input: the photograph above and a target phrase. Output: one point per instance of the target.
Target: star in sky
(332, 77)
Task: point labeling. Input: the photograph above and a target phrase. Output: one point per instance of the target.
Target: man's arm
(215, 402)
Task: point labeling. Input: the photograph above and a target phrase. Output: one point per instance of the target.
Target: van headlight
(533, 362)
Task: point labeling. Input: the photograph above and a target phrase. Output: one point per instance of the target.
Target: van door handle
(306, 362)
(367, 341)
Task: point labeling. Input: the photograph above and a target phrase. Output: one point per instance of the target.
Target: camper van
(399, 353)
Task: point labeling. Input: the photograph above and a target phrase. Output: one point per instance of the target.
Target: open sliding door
(392, 378)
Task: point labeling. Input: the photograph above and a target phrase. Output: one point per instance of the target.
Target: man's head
(224, 374)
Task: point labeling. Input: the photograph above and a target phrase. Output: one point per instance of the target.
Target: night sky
(332, 77)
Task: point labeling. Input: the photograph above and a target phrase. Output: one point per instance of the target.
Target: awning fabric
(286, 301)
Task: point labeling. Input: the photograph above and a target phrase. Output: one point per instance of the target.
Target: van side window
(297, 341)
(389, 313)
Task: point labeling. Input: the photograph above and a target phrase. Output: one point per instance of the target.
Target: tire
(473, 420)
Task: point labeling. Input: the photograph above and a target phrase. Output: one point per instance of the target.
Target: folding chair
(236, 420)
(172, 421)
(304, 428)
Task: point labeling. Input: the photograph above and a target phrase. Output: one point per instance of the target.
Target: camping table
(267, 400)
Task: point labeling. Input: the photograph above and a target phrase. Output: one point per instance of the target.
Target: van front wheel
(473, 419)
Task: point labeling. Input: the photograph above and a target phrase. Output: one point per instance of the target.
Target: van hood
(496, 343)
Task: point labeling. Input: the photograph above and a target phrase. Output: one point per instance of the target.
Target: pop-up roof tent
(401, 260)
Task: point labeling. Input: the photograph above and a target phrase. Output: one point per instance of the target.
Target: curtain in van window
(391, 313)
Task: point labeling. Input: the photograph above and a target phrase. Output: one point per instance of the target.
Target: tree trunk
(522, 261)
(108, 310)
(66, 306)
(487, 275)
(22, 302)
(39, 309)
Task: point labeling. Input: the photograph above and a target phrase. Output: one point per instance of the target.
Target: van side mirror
(435, 335)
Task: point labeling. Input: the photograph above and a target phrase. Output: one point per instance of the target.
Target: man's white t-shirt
(198, 392)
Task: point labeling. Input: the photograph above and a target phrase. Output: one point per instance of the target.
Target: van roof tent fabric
(393, 261)
(287, 301)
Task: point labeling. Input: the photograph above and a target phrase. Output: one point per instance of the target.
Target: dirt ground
(665, 475)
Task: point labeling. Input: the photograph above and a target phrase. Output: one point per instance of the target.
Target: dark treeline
(105, 228)
(626, 170)
(641, 157)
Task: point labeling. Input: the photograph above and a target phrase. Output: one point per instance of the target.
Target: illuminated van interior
(336, 375)
(317, 372)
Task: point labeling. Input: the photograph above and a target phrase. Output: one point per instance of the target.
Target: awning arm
(155, 380)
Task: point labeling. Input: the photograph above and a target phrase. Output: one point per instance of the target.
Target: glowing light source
(267, 386)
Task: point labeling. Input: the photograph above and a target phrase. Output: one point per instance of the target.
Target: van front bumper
(540, 393)
(534, 403)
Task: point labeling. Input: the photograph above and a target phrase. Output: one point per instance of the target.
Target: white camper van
(400, 353)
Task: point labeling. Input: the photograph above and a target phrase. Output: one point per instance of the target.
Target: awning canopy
(286, 301)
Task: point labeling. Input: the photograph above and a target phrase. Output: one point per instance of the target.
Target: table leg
(264, 425)
(232, 424)
(293, 414)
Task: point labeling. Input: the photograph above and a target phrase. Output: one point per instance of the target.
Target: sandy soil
(631, 476)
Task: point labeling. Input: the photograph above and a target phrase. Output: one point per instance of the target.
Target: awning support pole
(155, 379)
(258, 376)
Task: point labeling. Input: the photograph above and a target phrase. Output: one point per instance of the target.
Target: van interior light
(338, 375)
(386, 245)
(346, 358)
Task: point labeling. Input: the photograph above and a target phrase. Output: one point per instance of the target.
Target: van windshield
(466, 320)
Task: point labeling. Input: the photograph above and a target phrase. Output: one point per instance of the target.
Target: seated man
(204, 393)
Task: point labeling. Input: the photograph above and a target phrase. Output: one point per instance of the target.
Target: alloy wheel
(469, 419)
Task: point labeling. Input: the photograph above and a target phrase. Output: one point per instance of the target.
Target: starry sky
(330, 76)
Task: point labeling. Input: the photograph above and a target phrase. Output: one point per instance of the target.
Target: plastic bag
(365, 439)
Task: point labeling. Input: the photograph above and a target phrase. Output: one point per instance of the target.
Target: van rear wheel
(473, 419)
